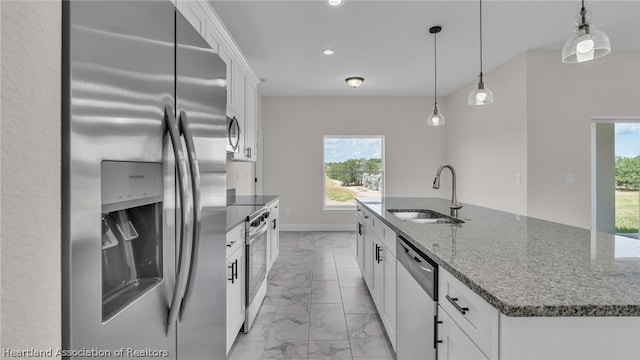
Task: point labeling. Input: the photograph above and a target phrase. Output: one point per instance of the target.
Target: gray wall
(30, 72)
(488, 144)
(539, 128)
(562, 100)
(293, 131)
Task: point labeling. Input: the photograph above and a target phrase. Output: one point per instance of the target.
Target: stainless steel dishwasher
(416, 303)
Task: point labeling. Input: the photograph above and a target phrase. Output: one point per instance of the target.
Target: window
(616, 177)
(353, 167)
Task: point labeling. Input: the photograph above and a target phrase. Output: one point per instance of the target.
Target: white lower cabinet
(378, 265)
(455, 344)
(273, 238)
(389, 294)
(235, 285)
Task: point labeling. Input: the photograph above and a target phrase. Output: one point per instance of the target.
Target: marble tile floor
(317, 305)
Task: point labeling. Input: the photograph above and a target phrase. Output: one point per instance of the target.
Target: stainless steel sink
(424, 216)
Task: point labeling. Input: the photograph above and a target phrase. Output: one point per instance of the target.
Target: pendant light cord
(481, 37)
(435, 67)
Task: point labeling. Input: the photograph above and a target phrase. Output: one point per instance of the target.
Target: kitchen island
(554, 287)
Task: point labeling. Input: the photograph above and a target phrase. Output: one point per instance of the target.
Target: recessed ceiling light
(335, 2)
(328, 52)
(354, 81)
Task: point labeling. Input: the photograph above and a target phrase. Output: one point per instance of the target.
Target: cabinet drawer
(456, 345)
(235, 239)
(387, 236)
(480, 319)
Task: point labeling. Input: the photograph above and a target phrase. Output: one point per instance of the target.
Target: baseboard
(317, 227)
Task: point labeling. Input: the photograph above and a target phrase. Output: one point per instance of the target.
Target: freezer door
(201, 112)
(118, 75)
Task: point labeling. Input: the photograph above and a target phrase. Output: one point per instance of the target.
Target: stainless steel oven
(256, 246)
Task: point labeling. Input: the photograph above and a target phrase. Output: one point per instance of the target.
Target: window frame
(331, 208)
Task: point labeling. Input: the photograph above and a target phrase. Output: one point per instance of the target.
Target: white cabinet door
(274, 231)
(225, 55)
(235, 295)
(359, 250)
(237, 109)
(368, 256)
(239, 79)
(455, 345)
(389, 294)
(194, 13)
(250, 99)
(378, 273)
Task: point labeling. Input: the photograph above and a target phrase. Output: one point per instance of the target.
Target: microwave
(233, 134)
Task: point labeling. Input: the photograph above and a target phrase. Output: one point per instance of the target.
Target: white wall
(30, 152)
(487, 145)
(293, 139)
(562, 101)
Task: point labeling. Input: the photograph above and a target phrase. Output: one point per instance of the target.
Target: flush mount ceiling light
(480, 95)
(587, 43)
(435, 118)
(354, 81)
(335, 3)
(328, 52)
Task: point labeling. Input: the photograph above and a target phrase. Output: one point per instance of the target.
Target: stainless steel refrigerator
(144, 184)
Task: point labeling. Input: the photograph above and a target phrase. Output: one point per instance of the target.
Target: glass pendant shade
(435, 118)
(587, 43)
(480, 95)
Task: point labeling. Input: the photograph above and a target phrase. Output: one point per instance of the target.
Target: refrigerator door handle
(186, 209)
(185, 129)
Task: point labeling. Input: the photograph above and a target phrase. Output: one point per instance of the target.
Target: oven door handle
(261, 230)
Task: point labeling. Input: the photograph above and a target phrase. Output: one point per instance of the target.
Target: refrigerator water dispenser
(131, 232)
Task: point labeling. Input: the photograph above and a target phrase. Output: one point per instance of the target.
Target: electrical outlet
(569, 178)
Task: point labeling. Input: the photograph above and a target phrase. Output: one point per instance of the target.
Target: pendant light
(435, 118)
(480, 95)
(587, 43)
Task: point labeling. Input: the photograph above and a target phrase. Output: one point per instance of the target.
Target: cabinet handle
(235, 263)
(378, 248)
(435, 332)
(366, 217)
(232, 278)
(454, 302)
(359, 229)
(274, 224)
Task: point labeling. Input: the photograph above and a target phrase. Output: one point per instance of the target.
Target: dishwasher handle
(421, 268)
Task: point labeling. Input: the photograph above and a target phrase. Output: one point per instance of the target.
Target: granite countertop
(525, 266)
(254, 200)
(244, 206)
(237, 214)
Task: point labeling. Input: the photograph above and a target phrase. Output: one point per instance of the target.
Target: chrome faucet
(455, 205)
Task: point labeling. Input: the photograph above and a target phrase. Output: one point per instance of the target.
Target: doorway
(616, 176)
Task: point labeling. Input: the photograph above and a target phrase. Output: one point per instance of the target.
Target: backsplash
(241, 177)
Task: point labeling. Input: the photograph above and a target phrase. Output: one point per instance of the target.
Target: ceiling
(388, 43)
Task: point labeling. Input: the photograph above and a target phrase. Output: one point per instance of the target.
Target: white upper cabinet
(194, 13)
(242, 83)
